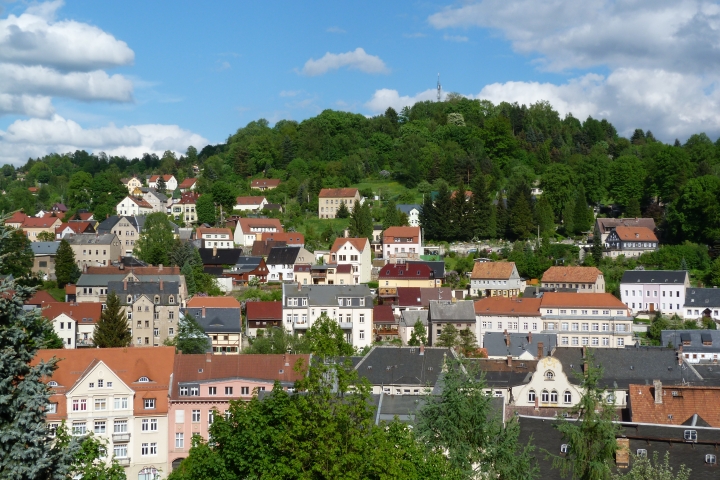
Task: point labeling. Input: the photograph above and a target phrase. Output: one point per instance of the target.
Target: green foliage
(448, 337)
(156, 240)
(45, 237)
(361, 224)
(644, 468)
(66, 270)
(544, 217)
(256, 294)
(191, 337)
(278, 340)
(223, 194)
(16, 246)
(205, 209)
(468, 341)
(582, 213)
(597, 247)
(671, 257)
(187, 271)
(89, 462)
(326, 338)
(112, 330)
(418, 336)
(342, 211)
(161, 185)
(52, 339)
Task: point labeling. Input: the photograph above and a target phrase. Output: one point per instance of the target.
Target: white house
(354, 252)
(507, 315)
(413, 213)
(250, 204)
(248, 230)
(215, 237)
(493, 279)
(351, 306)
(170, 182)
(701, 303)
(132, 206)
(401, 244)
(282, 260)
(655, 290)
(74, 323)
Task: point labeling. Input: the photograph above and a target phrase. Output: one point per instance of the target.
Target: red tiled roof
(84, 215)
(41, 297)
(409, 296)
(427, 294)
(383, 314)
(34, 222)
(468, 194)
(263, 310)
(589, 300)
(51, 214)
(409, 271)
(338, 192)
(76, 227)
(247, 223)
(345, 268)
(70, 289)
(187, 183)
(640, 234)
(115, 270)
(508, 306)
(213, 302)
(492, 270)
(261, 248)
(249, 200)
(33, 189)
(571, 274)
(264, 182)
(679, 404)
(154, 178)
(358, 243)
(207, 231)
(401, 232)
(16, 218)
(76, 311)
(301, 268)
(188, 198)
(289, 238)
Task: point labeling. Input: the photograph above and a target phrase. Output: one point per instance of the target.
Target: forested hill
(502, 150)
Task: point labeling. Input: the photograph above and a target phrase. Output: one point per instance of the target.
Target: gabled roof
(155, 178)
(383, 314)
(60, 207)
(401, 232)
(692, 340)
(17, 217)
(438, 267)
(251, 200)
(344, 268)
(188, 198)
(44, 248)
(261, 248)
(338, 192)
(83, 313)
(571, 274)
(45, 222)
(263, 310)
(217, 320)
(158, 271)
(667, 277)
(91, 239)
(288, 238)
(283, 255)
(411, 317)
(247, 224)
(359, 243)
(497, 372)
(427, 295)
(403, 365)
(264, 182)
(249, 262)
(461, 311)
(222, 256)
(75, 227)
(321, 295)
(607, 224)
(496, 344)
(702, 297)
(492, 270)
(41, 297)
(409, 297)
(511, 306)
(679, 404)
(109, 223)
(406, 271)
(139, 202)
(406, 208)
(200, 231)
(639, 234)
(213, 302)
(588, 300)
(187, 183)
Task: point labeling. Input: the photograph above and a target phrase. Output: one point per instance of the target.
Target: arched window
(52, 383)
(143, 380)
(564, 448)
(129, 299)
(171, 299)
(545, 396)
(567, 397)
(549, 375)
(157, 299)
(553, 397)
(531, 396)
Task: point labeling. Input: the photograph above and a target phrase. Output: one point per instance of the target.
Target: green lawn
(391, 187)
(57, 293)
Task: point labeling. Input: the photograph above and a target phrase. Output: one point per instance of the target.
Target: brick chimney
(160, 267)
(529, 337)
(509, 360)
(161, 285)
(125, 284)
(657, 385)
(422, 349)
(203, 312)
(215, 250)
(680, 355)
(622, 454)
(507, 338)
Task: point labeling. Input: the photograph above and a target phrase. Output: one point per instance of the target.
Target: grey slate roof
(107, 225)
(217, 320)
(625, 366)
(462, 311)
(246, 264)
(697, 338)
(223, 256)
(94, 280)
(403, 365)
(410, 317)
(702, 298)
(320, 295)
(406, 208)
(438, 268)
(44, 248)
(282, 255)
(146, 288)
(665, 277)
(497, 373)
(91, 239)
(494, 343)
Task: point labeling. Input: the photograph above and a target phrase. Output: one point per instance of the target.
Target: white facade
(170, 185)
(360, 260)
(216, 239)
(668, 299)
(249, 230)
(66, 329)
(506, 323)
(251, 207)
(129, 207)
(595, 327)
(281, 272)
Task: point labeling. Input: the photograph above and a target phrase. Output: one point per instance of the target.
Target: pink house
(204, 384)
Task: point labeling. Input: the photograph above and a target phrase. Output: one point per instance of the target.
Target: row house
(188, 185)
(220, 318)
(185, 209)
(696, 346)
(606, 225)
(655, 290)
(247, 269)
(44, 259)
(507, 315)
(127, 230)
(412, 211)
(92, 286)
(630, 242)
(401, 244)
(250, 204)
(248, 230)
(461, 314)
(204, 385)
(262, 316)
(117, 395)
(131, 183)
(73, 322)
(33, 226)
(330, 199)
(354, 252)
(133, 206)
(73, 228)
(170, 182)
(406, 324)
(351, 306)
(152, 310)
(94, 249)
(326, 274)
(282, 260)
(701, 304)
(264, 184)
(407, 275)
(385, 323)
(493, 279)
(582, 279)
(215, 237)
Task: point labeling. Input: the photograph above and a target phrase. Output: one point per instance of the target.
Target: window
(91, 385)
(194, 391)
(564, 448)
(641, 452)
(148, 449)
(610, 398)
(149, 403)
(531, 396)
(362, 334)
(196, 416)
(228, 390)
(549, 375)
(575, 341)
(690, 435)
(553, 397)
(99, 427)
(79, 405)
(149, 425)
(212, 391)
(211, 414)
(100, 404)
(179, 440)
(79, 428)
(710, 459)
(564, 326)
(52, 383)
(564, 341)
(620, 342)
(120, 451)
(120, 426)
(51, 408)
(362, 318)
(544, 396)
(121, 403)
(244, 390)
(143, 380)
(567, 397)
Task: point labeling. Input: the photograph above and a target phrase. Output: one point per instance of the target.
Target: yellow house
(330, 200)
(131, 184)
(33, 226)
(406, 275)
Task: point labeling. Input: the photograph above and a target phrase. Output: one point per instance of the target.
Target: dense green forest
(424, 153)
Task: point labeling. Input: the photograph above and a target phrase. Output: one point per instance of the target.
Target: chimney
(203, 312)
(160, 268)
(540, 350)
(84, 267)
(422, 349)
(161, 285)
(125, 284)
(622, 454)
(529, 337)
(509, 360)
(121, 266)
(657, 385)
(208, 357)
(680, 355)
(507, 338)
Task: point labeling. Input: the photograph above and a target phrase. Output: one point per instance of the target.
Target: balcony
(84, 342)
(301, 326)
(120, 437)
(125, 461)
(405, 255)
(346, 325)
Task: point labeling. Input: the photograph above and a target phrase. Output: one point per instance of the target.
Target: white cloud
(32, 105)
(356, 60)
(385, 97)
(335, 30)
(290, 93)
(36, 137)
(455, 38)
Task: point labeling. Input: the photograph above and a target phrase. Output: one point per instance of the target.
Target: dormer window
(143, 380)
(171, 299)
(52, 383)
(710, 459)
(157, 299)
(564, 448)
(641, 452)
(129, 299)
(690, 435)
(549, 375)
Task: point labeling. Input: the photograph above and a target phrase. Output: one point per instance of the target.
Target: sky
(131, 77)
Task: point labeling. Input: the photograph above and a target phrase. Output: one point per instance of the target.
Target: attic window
(549, 375)
(564, 448)
(52, 383)
(710, 459)
(641, 452)
(690, 435)
(143, 380)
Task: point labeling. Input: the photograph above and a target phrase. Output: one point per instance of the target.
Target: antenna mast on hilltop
(439, 88)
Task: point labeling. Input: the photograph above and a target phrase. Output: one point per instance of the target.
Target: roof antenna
(439, 88)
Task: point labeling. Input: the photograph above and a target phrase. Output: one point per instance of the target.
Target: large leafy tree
(279, 340)
(418, 336)
(205, 208)
(223, 194)
(112, 330)
(156, 240)
(66, 270)
(16, 247)
(327, 339)
(191, 337)
(644, 468)
(79, 190)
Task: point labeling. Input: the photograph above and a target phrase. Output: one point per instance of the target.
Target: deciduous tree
(448, 337)
(418, 336)
(16, 248)
(156, 240)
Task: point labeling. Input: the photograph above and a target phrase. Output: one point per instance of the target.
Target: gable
(99, 370)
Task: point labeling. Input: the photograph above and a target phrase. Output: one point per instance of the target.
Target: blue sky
(128, 77)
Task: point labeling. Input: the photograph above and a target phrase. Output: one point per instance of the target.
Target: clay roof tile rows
(492, 270)
(508, 306)
(338, 192)
(571, 274)
(588, 300)
(358, 243)
(641, 234)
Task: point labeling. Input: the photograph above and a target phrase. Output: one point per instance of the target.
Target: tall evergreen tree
(462, 215)
(482, 207)
(520, 218)
(582, 213)
(597, 248)
(448, 337)
(112, 330)
(342, 211)
(187, 271)
(161, 186)
(191, 337)
(66, 270)
(544, 216)
(633, 209)
(361, 221)
(391, 215)
(501, 218)
(428, 218)
(443, 212)
(568, 215)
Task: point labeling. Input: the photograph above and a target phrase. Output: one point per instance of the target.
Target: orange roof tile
(246, 224)
(402, 232)
(187, 183)
(213, 302)
(383, 314)
(16, 218)
(188, 198)
(155, 178)
(76, 311)
(641, 234)
(115, 270)
(338, 192)
(249, 200)
(34, 222)
(263, 310)
(589, 300)
(40, 297)
(140, 202)
(407, 271)
(359, 243)
(207, 231)
(70, 289)
(264, 182)
(571, 274)
(492, 270)
(289, 238)
(508, 306)
(676, 408)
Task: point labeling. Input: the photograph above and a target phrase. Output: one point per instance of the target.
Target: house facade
(630, 241)
(330, 200)
(407, 275)
(185, 209)
(220, 317)
(583, 279)
(132, 206)
(412, 211)
(493, 279)
(94, 250)
(131, 183)
(461, 314)
(250, 229)
(73, 322)
(401, 244)
(170, 182)
(354, 252)
(655, 291)
(607, 225)
(701, 303)
(263, 184)
(250, 204)
(159, 201)
(127, 230)
(44, 258)
(221, 238)
(33, 226)
(326, 274)
(282, 260)
(262, 315)
(188, 185)
(507, 315)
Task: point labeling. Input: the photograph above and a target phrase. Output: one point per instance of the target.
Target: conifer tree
(633, 209)
(544, 216)
(582, 213)
(160, 185)
(187, 270)
(597, 248)
(342, 211)
(391, 215)
(482, 207)
(448, 337)
(462, 215)
(501, 218)
(520, 219)
(66, 270)
(443, 212)
(428, 218)
(112, 329)
(568, 217)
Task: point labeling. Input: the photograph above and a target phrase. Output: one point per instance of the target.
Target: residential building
(326, 274)
(250, 204)
(131, 183)
(587, 279)
(262, 316)
(263, 184)
(438, 268)
(412, 211)
(630, 241)
(44, 259)
(519, 346)
(700, 303)
(73, 228)
(407, 323)
(354, 252)
(655, 290)
(401, 244)
(204, 385)
(127, 230)
(220, 317)
(250, 229)
(385, 323)
(185, 208)
(95, 249)
(215, 260)
(133, 206)
(392, 370)
(607, 225)
(59, 207)
(248, 269)
(93, 283)
(350, 305)
(220, 238)
(377, 241)
(502, 376)
(330, 200)
(291, 239)
(170, 182)
(120, 397)
(16, 220)
(689, 405)
(152, 309)
(282, 260)
(495, 279)
(507, 315)
(587, 319)
(158, 201)
(33, 226)
(695, 346)
(73, 322)
(407, 275)
(188, 185)
(461, 314)
(261, 248)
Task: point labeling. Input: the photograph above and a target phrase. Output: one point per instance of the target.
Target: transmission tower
(439, 89)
